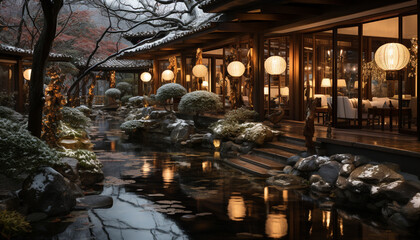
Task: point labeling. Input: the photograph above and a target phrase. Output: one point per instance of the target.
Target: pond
(162, 193)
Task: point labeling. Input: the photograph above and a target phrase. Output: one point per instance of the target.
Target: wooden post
(184, 71)
(334, 78)
(258, 63)
(359, 76)
(212, 83)
(296, 88)
(156, 75)
(20, 104)
(417, 75)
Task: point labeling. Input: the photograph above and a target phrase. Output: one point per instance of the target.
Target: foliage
(241, 115)
(87, 159)
(54, 101)
(12, 224)
(84, 109)
(113, 93)
(21, 152)
(131, 126)
(7, 99)
(126, 98)
(170, 90)
(91, 93)
(136, 101)
(124, 87)
(199, 102)
(226, 129)
(65, 131)
(10, 114)
(74, 118)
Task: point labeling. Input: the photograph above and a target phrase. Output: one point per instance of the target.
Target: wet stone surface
(159, 193)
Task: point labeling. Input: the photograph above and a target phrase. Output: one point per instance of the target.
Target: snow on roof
(202, 22)
(114, 64)
(8, 49)
(206, 3)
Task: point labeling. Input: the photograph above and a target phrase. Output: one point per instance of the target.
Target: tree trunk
(50, 8)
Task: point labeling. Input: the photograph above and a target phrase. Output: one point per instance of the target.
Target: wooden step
(274, 153)
(262, 162)
(246, 166)
(290, 147)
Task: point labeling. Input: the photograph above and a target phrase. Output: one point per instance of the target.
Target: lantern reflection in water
(276, 225)
(216, 155)
(326, 218)
(146, 168)
(236, 208)
(206, 165)
(168, 176)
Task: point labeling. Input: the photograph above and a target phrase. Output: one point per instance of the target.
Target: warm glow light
(199, 70)
(216, 143)
(216, 155)
(356, 85)
(275, 65)
(236, 69)
(326, 218)
(392, 56)
(146, 77)
(265, 90)
(188, 78)
(168, 175)
(326, 82)
(285, 195)
(146, 169)
(341, 83)
(168, 75)
(206, 166)
(205, 83)
(236, 208)
(276, 225)
(266, 194)
(27, 74)
(284, 91)
(113, 146)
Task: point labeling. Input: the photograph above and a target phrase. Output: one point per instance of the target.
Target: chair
(345, 109)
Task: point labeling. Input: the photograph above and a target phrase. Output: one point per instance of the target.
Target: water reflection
(168, 175)
(206, 165)
(236, 208)
(146, 169)
(276, 225)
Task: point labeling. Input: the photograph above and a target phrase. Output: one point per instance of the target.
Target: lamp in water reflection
(326, 218)
(113, 146)
(145, 169)
(168, 175)
(216, 155)
(206, 165)
(216, 143)
(276, 225)
(236, 208)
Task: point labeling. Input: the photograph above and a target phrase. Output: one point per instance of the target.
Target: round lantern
(27, 74)
(168, 75)
(236, 69)
(205, 84)
(146, 77)
(275, 65)
(199, 70)
(392, 56)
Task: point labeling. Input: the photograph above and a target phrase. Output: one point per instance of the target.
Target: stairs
(271, 156)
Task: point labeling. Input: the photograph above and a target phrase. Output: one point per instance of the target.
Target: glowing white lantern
(392, 56)
(199, 70)
(168, 75)
(146, 77)
(205, 83)
(236, 69)
(275, 65)
(27, 74)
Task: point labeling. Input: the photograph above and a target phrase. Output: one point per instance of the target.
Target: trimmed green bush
(113, 93)
(198, 102)
(170, 90)
(241, 115)
(124, 87)
(74, 118)
(131, 126)
(21, 152)
(125, 98)
(10, 114)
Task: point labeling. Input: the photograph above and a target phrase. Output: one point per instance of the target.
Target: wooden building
(329, 47)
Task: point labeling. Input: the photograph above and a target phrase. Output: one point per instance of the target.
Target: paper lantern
(326, 82)
(392, 56)
(27, 74)
(205, 83)
(341, 83)
(236, 69)
(167, 75)
(146, 77)
(275, 65)
(284, 91)
(199, 70)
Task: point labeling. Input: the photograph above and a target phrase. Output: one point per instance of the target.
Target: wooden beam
(261, 16)
(288, 9)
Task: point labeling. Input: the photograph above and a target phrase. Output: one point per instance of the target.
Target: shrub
(74, 118)
(84, 109)
(12, 224)
(199, 102)
(66, 132)
(21, 152)
(136, 101)
(10, 114)
(124, 87)
(7, 99)
(170, 90)
(125, 98)
(241, 115)
(86, 159)
(113, 93)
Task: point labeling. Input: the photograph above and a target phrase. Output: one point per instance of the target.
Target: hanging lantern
(275, 65)
(236, 69)
(27, 74)
(199, 70)
(392, 56)
(146, 77)
(168, 75)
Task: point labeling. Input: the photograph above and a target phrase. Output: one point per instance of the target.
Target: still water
(160, 193)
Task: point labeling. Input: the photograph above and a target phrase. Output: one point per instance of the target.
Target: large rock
(182, 132)
(412, 209)
(322, 160)
(287, 181)
(321, 186)
(307, 164)
(293, 160)
(47, 191)
(330, 171)
(400, 191)
(94, 201)
(360, 160)
(346, 169)
(375, 174)
(90, 177)
(342, 157)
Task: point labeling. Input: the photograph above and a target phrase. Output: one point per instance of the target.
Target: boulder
(341, 157)
(329, 172)
(315, 178)
(321, 160)
(357, 186)
(399, 191)
(287, 181)
(360, 160)
(307, 164)
(182, 132)
(47, 191)
(346, 169)
(412, 209)
(293, 160)
(321, 186)
(90, 177)
(375, 174)
(287, 169)
(341, 182)
(94, 201)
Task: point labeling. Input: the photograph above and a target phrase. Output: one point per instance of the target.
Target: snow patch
(416, 200)
(38, 183)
